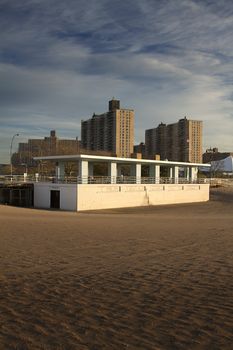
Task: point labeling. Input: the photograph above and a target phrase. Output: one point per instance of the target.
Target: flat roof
(95, 158)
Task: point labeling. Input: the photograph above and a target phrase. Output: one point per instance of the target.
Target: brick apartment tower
(112, 131)
(181, 141)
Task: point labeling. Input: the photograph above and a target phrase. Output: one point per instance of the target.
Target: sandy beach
(138, 278)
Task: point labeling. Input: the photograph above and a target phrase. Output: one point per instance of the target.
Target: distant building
(141, 148)
(224, 165)
(181, 141)
(112, 131)
(156, 141)
(3, 168)
(213, 154)
(50, 145)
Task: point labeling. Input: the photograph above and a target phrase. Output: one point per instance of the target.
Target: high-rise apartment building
(181, 141)
(112, 131)
(155, 141)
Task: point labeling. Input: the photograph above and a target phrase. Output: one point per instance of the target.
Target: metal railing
(16, 178)
(8, 179)
(223, 182)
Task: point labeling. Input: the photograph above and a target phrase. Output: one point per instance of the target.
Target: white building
(223, 165)
(89, 192)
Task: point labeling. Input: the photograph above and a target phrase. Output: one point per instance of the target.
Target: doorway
(54, 199)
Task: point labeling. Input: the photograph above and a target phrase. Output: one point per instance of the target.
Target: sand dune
(139, 278)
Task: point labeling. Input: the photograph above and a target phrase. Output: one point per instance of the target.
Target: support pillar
(176, 174)
(193, 174)
(154, 172)
(60, 171)
(112, 172)
(83, 171)
(170, 175)
(136, 171)
(186, 173)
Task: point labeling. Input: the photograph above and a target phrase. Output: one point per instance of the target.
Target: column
(154, 172)
(193, 174)
(83, 171)
(37, 177)
(60, 171)
(170, 175)
(112, 172)
(186, 173)
(176, 174)
(135, 171)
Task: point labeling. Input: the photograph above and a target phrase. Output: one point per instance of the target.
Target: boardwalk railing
(223, 182)
(8, 179)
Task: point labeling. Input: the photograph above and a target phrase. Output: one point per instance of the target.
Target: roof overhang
(94, 158)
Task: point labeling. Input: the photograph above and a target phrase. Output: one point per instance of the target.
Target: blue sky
(60, 61)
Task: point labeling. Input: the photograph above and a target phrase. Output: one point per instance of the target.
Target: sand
(139, 278)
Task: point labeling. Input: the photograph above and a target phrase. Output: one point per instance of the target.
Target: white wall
(92, 197)
(68, 195)
(172, 194)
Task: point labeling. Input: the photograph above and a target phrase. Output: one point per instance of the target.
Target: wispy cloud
(61, 61)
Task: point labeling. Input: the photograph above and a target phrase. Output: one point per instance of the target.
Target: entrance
(54, 199)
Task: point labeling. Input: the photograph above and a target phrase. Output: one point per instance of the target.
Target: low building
(88, 191)
(222, 166)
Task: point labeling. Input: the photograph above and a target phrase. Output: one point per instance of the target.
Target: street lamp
(11, 152)
(26, 167)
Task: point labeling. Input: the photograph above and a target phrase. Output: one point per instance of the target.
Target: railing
(221, 182)
(8, 179)
(16, 178)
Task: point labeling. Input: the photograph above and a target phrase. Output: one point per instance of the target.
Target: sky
(61, 61)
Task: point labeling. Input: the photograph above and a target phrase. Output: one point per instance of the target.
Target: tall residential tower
(112, 131)
(181, 141)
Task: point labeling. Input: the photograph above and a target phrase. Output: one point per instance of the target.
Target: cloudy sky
(60, 61)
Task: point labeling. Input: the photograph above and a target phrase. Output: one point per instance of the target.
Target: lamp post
(11, 153)
(26, 167)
